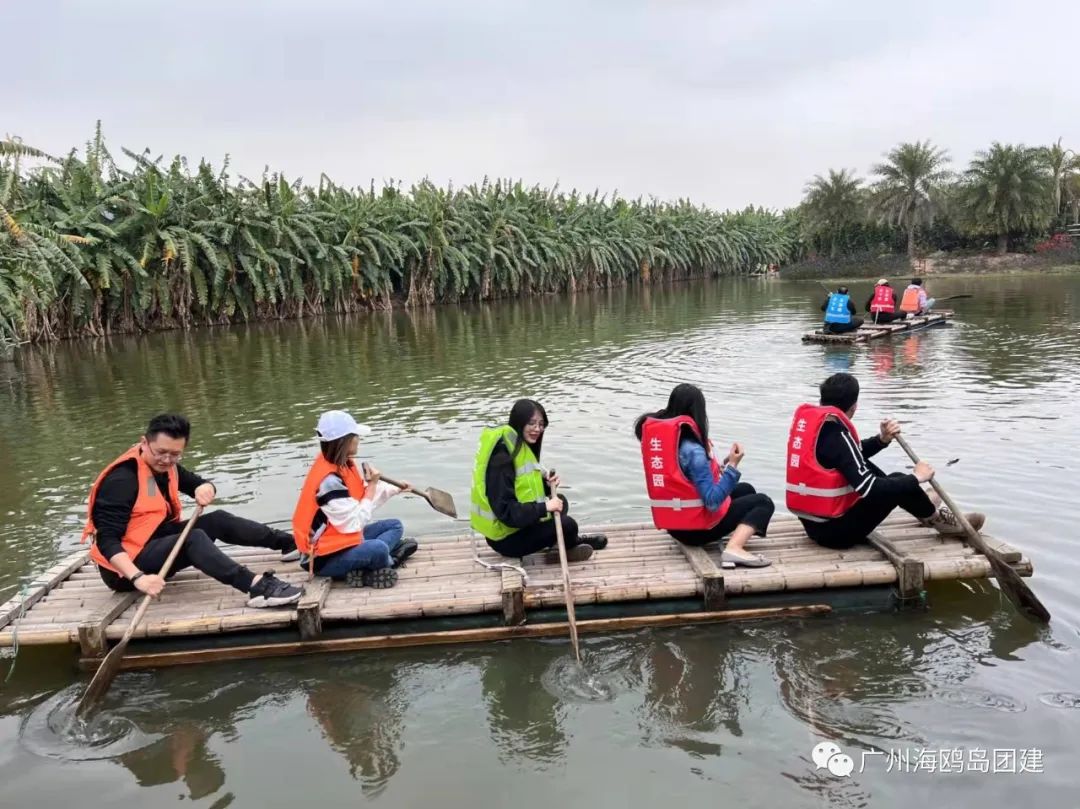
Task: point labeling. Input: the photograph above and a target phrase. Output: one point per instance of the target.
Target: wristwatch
(136, 576)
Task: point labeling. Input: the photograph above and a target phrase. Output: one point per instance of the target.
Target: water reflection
(525, 719)
(361, 720)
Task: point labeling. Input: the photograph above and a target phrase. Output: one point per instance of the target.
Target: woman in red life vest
(333, 522)
(694, 497)
(838, 495)
(882, 304)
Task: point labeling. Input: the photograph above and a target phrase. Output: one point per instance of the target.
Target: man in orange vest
(134, 520)
(838, 495)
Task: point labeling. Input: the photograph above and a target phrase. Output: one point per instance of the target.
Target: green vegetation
(1008, 192)
(88, 247)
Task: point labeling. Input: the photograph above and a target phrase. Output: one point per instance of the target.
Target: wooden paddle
(953, 297)
(1008, 579)
(442, 502)
(109, 667)
(571, 620)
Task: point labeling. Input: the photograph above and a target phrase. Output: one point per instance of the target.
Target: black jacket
(837, 449)
(116, 498)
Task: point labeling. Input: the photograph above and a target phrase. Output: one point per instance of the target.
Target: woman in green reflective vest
(512, 505)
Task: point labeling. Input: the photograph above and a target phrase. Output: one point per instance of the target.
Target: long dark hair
(685, 400)
(520, 415)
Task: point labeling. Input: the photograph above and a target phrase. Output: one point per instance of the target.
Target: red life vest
(883, 299)
(813, 490)
(151, 508)
(330, 540)
(675, 501)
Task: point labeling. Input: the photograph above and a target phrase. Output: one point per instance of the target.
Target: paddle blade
(441, 501)
(1017, 591)
(99, 686)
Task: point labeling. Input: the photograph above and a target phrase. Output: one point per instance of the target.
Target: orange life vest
(813, 490)
(883, 299)
(150, 511)
(910, 301)
(308, 509)
(675, 501)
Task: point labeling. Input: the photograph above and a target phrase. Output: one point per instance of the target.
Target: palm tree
(1006, 189)
(1062, 165)
(909, 190)
(832, 204)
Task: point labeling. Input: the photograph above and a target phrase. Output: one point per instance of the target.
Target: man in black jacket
(114, 501)
(879, 494)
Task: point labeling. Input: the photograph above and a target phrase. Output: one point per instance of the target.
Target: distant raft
(871, 331)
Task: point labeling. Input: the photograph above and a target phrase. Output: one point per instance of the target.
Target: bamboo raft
(643, 578)
(872, 331)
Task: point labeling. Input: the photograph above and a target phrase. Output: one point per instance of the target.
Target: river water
(722, 714)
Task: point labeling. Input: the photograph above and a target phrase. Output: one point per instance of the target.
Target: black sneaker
(270, 591)
(381, 579)
(405, 549)
(595, 541)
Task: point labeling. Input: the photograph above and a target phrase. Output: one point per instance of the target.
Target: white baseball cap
(335, 424)
(883, 282)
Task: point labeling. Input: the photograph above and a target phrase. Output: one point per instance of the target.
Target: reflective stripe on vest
(677, 504)
(528, 482)
(802, 488)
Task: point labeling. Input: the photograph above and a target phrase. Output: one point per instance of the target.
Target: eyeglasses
(164, 455)
(537, 425)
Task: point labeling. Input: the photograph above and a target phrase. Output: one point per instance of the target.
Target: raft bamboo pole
(457, 636)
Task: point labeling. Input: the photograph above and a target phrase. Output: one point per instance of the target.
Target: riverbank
(899, 265)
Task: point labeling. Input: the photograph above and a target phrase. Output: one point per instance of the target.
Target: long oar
(109, 667)
(954, 297)
(566, 577)
(1009, 580)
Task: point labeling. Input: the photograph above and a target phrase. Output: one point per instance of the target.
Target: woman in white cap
(333, 517)
(882, 303)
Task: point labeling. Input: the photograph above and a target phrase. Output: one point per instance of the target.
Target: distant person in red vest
(915, 300)
(135, 522)
(695, 497)
(840, 496)
(883, 305)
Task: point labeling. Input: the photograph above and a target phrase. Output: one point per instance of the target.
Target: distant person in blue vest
(512, 506)
(694, 496)
(883, 305)
(832, 487)
(840, 312)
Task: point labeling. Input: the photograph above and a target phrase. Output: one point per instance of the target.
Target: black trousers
(748, 507)
(538, 536)
(201, 553)
(841, 328)
(855, 525)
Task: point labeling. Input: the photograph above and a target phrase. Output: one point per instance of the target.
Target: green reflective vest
(528, 482)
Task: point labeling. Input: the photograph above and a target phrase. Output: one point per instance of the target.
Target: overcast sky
(727, 102)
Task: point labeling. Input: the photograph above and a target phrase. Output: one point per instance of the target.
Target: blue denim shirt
(695, 465)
